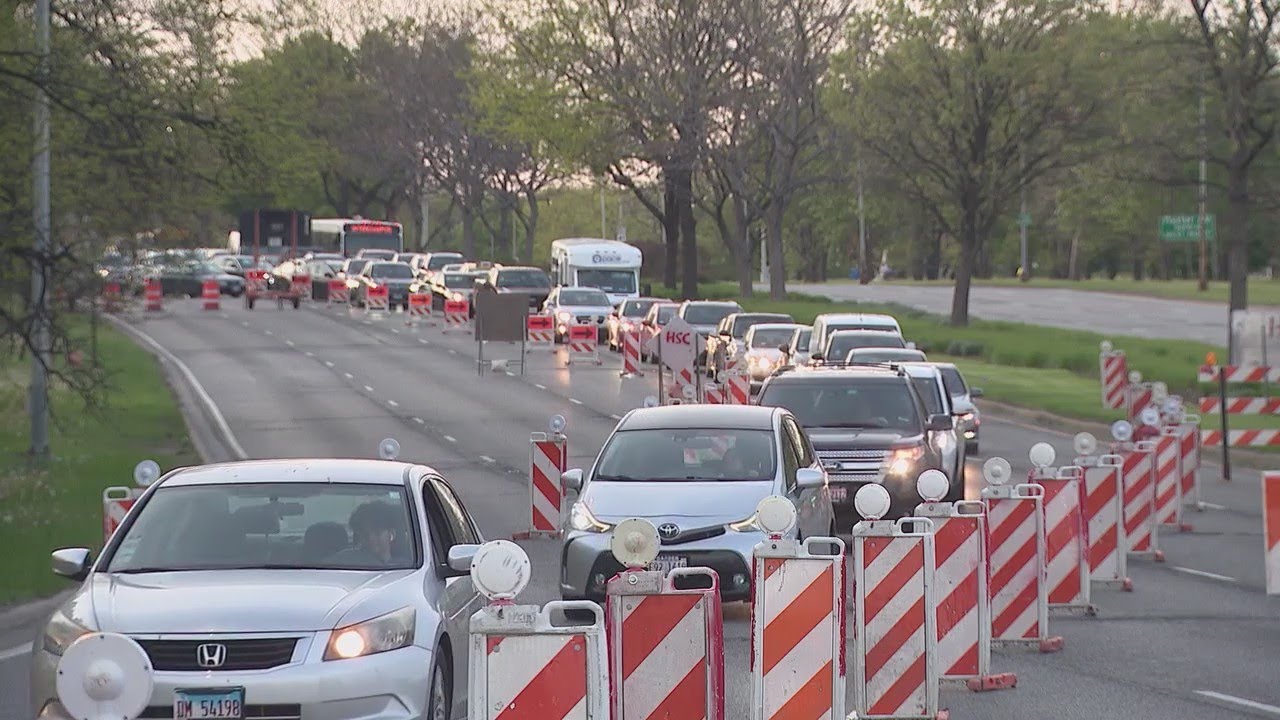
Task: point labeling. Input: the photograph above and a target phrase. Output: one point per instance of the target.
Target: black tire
(442, 673)
(971, 448)
(297, 302)
(248, 302)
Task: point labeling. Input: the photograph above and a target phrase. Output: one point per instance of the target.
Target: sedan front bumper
(586, 563)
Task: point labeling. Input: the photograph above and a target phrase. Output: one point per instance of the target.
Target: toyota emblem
(668, 530)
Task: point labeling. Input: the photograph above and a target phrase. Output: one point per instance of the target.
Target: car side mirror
(975, 392)
(71, 563)
(784, 348)
(809, 479)
(460, 557)
(571, 479)
(816, 356)
(725, 334)
(939, 423)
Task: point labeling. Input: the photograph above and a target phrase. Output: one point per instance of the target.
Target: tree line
(819, 134)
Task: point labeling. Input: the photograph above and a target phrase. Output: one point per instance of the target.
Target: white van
(827, 323)
(610, 265)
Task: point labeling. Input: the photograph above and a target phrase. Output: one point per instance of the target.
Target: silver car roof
(301, 470)
(727, 417)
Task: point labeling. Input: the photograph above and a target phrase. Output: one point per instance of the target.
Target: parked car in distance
(627, 317)
(885, 355)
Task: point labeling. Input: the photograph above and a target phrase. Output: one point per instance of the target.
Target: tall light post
(39, 391)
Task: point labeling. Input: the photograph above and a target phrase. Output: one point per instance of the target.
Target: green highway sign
(1186, 228)
(1024, 219)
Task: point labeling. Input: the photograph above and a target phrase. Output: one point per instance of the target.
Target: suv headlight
(903, 459)
(381, 634)
(751, 524)
(60, 632)
(581, 519)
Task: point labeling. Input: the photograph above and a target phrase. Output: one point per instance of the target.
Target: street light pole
(862, 230)
(1203, 191)
(39, 397)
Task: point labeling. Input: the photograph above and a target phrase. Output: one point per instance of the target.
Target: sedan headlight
(751, 524)
(61, 632)
(581, 519)
(381, 634)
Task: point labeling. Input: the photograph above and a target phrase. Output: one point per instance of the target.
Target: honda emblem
(211, 655)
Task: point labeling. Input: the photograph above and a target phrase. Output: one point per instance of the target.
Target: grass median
(58, 503)
(1031, 366)
(1261, 290)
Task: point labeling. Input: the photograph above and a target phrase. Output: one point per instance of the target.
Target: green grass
(1031, 366)
(58, 503)
(1261, 292)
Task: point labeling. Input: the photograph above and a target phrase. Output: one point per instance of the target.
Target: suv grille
(241, 654)
(861, 465)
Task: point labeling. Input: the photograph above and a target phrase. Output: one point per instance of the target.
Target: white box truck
(610, 265)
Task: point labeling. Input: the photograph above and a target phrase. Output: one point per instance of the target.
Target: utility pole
(1203, 191)
(862, 230)
(39, 397)
(604, 225)
(1023, 220)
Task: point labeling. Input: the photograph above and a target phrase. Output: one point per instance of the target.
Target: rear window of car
(636, 308)
(868, 403)
(954, 381)
(742, 324)
(683, 454)
(927, 389)
(439, 261)
(665, 313)
(706, 314)
(457, 281)
(838, 346)
(391, 270)
(523, 278)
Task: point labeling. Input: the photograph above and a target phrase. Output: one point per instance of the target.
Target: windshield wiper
(624, 478)
(152, 569)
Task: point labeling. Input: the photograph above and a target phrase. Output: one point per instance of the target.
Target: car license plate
(220, 703)
(839, 493)
(667, 563)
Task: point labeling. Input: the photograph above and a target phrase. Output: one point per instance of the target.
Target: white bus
(610, 265)
(348, 236)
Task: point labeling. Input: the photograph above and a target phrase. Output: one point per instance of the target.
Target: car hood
(707, 503)
(853, 438)
(585, 309)
(219, 601)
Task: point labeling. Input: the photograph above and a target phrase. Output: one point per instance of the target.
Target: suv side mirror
(784, 348)
(72, 563)
(571, 479)
(939, 423)
(816, 356)
(725, 334)
(809, 479)
(460, 557)
(975, 392)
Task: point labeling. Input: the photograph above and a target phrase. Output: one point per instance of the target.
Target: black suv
(868, 425)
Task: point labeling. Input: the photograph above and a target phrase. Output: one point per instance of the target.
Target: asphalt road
(318, 382)
(1105, 313)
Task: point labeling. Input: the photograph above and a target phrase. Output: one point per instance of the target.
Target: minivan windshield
(614, 281)
(395, 271)
(870, 403)
(438, 261)
(683, 454)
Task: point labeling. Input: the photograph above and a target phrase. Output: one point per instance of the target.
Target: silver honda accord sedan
(697, 473)
(321, 589)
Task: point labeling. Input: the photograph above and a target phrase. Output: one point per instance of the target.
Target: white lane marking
(1240, 701)
(419, 420)
(225, 316)
(540, 386)
(487, 459)
(575, 401)
(616, 417)
(397, 332)
(423, 341)
(368, 389)
(289, 343)
(244, 323)
(310, 354)
(214, 413)
(1202, 573)
(393, 403)
(348, 375)
(451, 438)
(1213, 506)
(452, 351)
(14, 652)
(328, 363)
(268, 332)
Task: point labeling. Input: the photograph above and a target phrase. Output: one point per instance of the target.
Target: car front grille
(241, 654)
(588, 319)
(251, 712)
(859, 465)
(689, 536)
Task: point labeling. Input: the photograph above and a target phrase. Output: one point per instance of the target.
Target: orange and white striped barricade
(895, 638)
(524, 664)
(1138, 473)
(377, 299)
(1169, 479)
(1138, 397)
(1103, 513)
(1019, 593)
(419, 309)
(582, 343)
(457, 313)
(117, 501)
(1066, 539)
(798, 628)
(540, 331)
(153, 295)
(111, 296)
(255, 282)
(210, 295)
(1189, 447)
(300, 285)
(666, 645)
(339, 293)
(961, 587)
(683, 388)
(1113, 369)
(713, 394)
(1271, 530)
(548, 458)
(631, 354)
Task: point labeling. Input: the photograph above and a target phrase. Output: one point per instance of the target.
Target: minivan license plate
(207, 703)
(667, 563)
(839, 493)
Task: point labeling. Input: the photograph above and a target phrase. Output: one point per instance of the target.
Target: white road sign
(1255, 337)
(679, 345)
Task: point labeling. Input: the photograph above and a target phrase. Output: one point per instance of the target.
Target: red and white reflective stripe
(1139, 398)
(541, 330)
(1169, 478)
(1240, 373)
(154, 295)
(1019, 601)
(1103, 509)
(537, 677)
(1242, 438)
(737, 389)
(798, 632)
(544, 483)
(339, 293)
(581, 341)
(377, 300)
(713, 395)
(666, 651)
(456, 314)
(301, 285)
(1066, 539)
(1140, 498)
(1241, 406)
(960, 587)
(210, 294)
(1271, 529)
(631, 353)
(117, 501)
(896, 639)
(1114, 371)
(420, 308)
(1189, 447)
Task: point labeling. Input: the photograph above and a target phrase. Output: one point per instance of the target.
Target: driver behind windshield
(373, 525)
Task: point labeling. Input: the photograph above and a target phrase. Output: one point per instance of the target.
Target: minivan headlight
(381, 634)
(751, 524)
(61, 632)
(581, 519)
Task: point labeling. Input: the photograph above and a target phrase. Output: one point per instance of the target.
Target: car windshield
(680, 454)
(458, 281)
(523, 278)
(954, 381)
(742, 324)
(927, 389)
(395, 271)
(665, 313)
(614, 281)
(770, 338)
(877, 355)
(636, 308)
(802, 338)
(705, 314)
(437, 262)
(364, 244)
(863, 403)
(591, 298)
(340, 526)
(838, 346)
